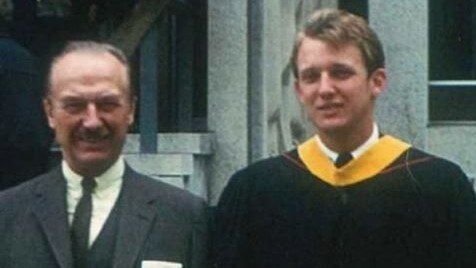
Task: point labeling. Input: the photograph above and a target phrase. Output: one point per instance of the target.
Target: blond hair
(339, 28)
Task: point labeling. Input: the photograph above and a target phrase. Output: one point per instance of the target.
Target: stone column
(227, 90)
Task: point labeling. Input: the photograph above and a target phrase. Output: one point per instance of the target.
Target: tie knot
(343, 159)
(88, 185)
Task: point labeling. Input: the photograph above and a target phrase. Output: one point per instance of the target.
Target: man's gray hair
(95, 47)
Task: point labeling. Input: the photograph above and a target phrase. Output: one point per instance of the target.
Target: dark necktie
(81, 223)
(343, 159)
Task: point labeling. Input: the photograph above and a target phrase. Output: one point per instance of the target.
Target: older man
(94, 210)
(350, 196)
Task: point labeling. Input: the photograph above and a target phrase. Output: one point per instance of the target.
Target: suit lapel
(136, 216)
(50, 209)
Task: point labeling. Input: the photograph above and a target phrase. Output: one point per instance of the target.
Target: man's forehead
(93, 94)
(330, 45)
(85, 67)
(316, 49)
(85, 59)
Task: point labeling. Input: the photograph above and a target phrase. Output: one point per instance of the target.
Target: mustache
(93, 134)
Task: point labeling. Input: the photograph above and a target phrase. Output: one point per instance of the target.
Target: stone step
(195, 143)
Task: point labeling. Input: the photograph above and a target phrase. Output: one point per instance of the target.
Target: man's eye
(342, 73)
(73, 107)
(108, 106)
(309, 77)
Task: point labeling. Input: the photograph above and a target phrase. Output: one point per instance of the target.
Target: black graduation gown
(410, 209)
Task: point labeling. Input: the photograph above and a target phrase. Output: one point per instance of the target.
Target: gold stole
(369, 164)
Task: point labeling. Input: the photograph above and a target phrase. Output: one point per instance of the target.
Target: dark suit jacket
(157, 222)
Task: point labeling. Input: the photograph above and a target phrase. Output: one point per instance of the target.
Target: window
(452, 95)
(357, 7)
(177, 51)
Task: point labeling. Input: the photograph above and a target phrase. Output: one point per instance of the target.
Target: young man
(350, 196)
(94, 210)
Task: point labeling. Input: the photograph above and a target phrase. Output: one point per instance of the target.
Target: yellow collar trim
(369, 164)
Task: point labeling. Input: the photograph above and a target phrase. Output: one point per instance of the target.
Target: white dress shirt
(373, 139)
(104, 195)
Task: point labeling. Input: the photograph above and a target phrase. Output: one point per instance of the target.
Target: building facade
(216, 89)
(252, 112)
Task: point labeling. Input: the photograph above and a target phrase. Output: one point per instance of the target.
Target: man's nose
(92, 117)
(326, 84)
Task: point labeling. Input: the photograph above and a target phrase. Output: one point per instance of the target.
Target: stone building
(252, 111)
(251, 108)
(216, 92)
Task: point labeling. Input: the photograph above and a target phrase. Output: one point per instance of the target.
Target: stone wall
(403, 29)
(252, 108)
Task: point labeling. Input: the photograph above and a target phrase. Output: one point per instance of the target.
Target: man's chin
(331, 126)
(94, 163)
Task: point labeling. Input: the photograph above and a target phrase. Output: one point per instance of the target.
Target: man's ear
(132, 110)
(298, 90)
(378, 82)
(48, 108)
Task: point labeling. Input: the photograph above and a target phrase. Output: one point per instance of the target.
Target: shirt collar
(373, 139)
(104, 181)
